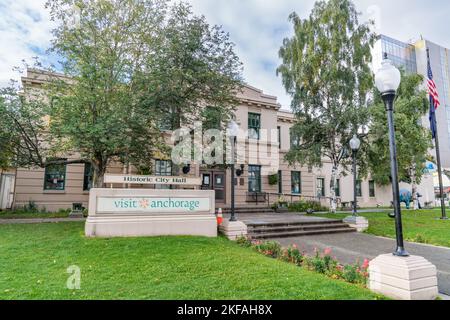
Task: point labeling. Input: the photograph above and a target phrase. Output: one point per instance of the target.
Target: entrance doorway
(215, 180)
(6, 191)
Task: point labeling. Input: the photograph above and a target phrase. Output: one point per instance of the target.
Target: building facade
(412, 57)
(265, 178)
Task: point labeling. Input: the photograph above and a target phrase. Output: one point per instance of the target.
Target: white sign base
(147, 212)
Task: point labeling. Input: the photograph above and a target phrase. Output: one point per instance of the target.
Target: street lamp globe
(233, 129)
(355, 143)
(388, 77)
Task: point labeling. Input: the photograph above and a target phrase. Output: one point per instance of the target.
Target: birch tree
(326, 71)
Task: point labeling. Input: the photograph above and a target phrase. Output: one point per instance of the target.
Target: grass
(422, 226)
(34, 260)
(32, 215)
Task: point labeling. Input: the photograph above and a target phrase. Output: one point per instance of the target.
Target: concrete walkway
(348, 248)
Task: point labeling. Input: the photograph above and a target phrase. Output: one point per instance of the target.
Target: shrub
(292, 255)
(321, 263)
(244, 242)
(31, 207)
(305, 206)
(270, 248)
(354, 274)
(273, 179)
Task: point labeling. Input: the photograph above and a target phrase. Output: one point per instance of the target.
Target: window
(55, 177)
(337, 190)
(279, 137)
(320, 188)
(163, 168)
(372, 189)
(254, 178)
(295, 140)
(280, 182)
(296, 182)
(358, 188)
(88, 177)
(254, 125)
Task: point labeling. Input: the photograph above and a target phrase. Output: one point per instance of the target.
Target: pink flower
(365, 264)
(327, 251)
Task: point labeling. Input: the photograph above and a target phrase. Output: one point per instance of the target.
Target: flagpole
(438, 160)
(441, 185)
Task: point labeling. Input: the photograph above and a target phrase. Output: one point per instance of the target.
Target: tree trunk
(99, 174)
(333, 201)
(414, 188)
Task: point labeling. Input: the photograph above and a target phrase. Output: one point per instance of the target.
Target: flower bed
(322, 263)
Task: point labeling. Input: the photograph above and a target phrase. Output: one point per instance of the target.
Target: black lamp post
(355, 144)
(387, 81)
(233, 130)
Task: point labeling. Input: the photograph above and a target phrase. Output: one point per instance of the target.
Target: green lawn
(34, 259)
(421, 226)
(28, 215)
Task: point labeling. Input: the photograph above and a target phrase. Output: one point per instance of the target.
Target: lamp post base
(361, 224)
(401, 252)
(233, 229)
(410, 278)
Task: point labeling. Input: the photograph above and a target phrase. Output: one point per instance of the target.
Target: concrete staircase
(296, 229)
(249, 210)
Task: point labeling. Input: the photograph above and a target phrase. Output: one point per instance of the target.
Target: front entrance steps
(249, 210)
(273, 230)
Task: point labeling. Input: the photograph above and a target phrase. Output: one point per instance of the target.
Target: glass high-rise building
(412, 57)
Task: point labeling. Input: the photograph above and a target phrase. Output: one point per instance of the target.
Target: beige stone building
(267, 140)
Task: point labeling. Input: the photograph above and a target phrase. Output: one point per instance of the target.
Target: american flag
(434, 99)
(432, 90)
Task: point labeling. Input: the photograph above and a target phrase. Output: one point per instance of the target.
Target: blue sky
(256, 26)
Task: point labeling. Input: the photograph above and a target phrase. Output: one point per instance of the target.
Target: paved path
(348, 248)
(40, 220)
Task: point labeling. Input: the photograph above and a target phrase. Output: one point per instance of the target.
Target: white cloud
(25, 32)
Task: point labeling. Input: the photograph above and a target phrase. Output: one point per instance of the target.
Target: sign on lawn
(157, 180)
(152, 205)
(149, 212)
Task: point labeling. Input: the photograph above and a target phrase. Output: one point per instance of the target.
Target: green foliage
(353, 274)
(292, 255)
(305, 206)
(412, 138)
(23, 128)
(194, 65)
(270, 248)
(31, 207)
(326, 71)
(99, 111)
(322, 263)
(273, 179)
(127, 66)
